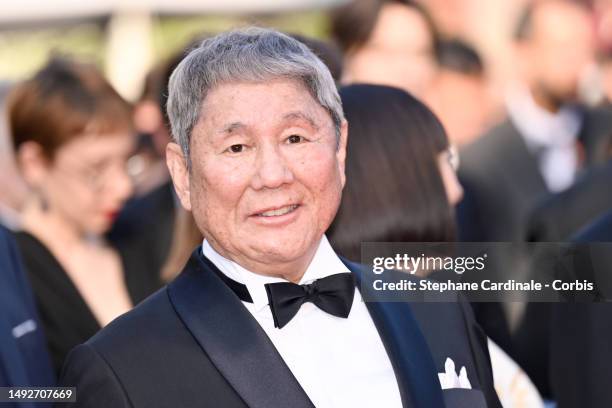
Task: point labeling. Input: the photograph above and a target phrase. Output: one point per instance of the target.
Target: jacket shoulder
(147, 358)
(492, 145)
(149, 323)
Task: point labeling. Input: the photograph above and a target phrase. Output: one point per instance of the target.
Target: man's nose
(272, 169)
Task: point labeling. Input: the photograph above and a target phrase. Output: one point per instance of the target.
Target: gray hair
(251, 55)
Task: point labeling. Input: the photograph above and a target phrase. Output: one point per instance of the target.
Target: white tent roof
(16, 11)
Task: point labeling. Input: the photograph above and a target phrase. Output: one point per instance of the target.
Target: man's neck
(291, 271)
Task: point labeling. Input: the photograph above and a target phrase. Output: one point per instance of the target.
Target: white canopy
(16, 11)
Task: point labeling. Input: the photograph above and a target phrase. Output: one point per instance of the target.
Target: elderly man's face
(267, 173)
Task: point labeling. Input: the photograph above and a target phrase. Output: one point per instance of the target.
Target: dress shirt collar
(539, 127)
(324, 263)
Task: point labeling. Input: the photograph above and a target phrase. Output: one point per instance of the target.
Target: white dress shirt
(553, 135)
(338, 362)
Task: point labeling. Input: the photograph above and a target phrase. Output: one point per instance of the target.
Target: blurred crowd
(448, 141)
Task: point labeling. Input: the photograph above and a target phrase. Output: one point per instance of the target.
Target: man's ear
(33, 163)
(341, 153)
(177, 165)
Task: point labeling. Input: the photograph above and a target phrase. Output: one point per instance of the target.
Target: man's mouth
(278, 211)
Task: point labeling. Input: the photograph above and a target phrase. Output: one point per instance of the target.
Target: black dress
(66, 318)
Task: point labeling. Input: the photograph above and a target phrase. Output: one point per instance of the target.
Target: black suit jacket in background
(503, 183)
(559, 216)
(502, 186)
(581, 333)
(193, 343)
(24, 360)
(145, 228)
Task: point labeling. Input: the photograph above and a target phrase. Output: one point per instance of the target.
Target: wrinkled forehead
(279, 99)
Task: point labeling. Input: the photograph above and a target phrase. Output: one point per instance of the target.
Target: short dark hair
(63, 100)
(394, 190)
(352, 24)
(458, 56)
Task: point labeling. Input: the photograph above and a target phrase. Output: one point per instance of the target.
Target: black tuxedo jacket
(561, 215)
(502, 181)
(193, 344)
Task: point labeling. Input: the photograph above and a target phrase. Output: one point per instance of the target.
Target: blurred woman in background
(401, 187)
(401, 183)
(387, 42)
(72, 136)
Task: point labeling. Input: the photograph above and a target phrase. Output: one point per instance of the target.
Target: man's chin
(281, 251)
(278, 255)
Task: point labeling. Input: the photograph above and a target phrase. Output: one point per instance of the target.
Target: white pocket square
(449, 379)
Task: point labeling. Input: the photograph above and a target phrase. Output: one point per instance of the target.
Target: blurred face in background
(72, 134)
(398, 53)
(463, 104)
(559, 51)
(86, 181)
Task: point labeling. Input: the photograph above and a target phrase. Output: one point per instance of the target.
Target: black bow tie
(332, 294)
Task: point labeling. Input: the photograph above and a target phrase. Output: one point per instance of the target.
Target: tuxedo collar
(410, 356)
(248, 360)
(232, 339)
(324, 263)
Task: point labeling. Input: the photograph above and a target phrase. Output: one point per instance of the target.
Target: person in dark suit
(24, 359)
(547, 137)
(540, 148)
(265, 314)
(580, 333)
(72, 138)
(559, 216)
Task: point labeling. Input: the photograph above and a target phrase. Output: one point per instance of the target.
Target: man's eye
(295, 139)
(236, 148)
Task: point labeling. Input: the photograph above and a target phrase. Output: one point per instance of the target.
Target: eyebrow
(301, 116)
(233, 126)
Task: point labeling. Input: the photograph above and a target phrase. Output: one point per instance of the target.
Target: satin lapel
(406, 347)
(233, 339)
